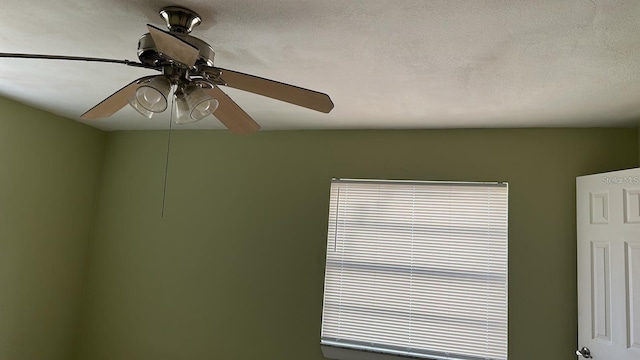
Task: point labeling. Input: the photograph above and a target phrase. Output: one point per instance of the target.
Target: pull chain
(166, 164)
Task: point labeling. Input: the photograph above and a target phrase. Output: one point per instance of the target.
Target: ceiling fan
(186, 66)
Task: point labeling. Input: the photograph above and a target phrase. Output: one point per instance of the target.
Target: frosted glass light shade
(201, 105)
(153, 94)
(134, 104)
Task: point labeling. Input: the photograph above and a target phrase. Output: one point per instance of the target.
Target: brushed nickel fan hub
(180, 20)
(148, 54)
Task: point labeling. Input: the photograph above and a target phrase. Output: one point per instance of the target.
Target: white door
(608, 216)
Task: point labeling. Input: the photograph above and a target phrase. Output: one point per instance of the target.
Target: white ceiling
(385, 63)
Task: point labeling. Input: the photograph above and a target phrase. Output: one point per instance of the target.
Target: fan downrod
(180, 20)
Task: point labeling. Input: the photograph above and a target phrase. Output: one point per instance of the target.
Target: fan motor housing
(148, 54)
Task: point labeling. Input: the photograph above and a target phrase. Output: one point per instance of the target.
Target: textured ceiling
(385, 63)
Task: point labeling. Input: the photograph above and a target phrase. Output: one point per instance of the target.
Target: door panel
(608, 226)
(632, 266)
(600, 291)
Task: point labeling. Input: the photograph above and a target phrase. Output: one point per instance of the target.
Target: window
(416, 269)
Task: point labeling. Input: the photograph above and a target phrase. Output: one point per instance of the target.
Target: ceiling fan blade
(115, 101)
(276, 90)
(75, 58)
(231, 115)
(174, 47)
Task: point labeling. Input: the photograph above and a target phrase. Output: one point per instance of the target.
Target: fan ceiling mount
(188, 77)
(180, 19)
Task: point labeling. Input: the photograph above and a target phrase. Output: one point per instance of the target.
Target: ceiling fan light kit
(188, 73)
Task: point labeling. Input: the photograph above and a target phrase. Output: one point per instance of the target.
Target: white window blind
(416, 269)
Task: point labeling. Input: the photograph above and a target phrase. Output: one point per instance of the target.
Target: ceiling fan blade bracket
(213, 75)
(202, 83)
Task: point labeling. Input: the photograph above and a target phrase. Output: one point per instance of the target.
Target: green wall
(235, 267)
(49, 171)
(234, 270)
